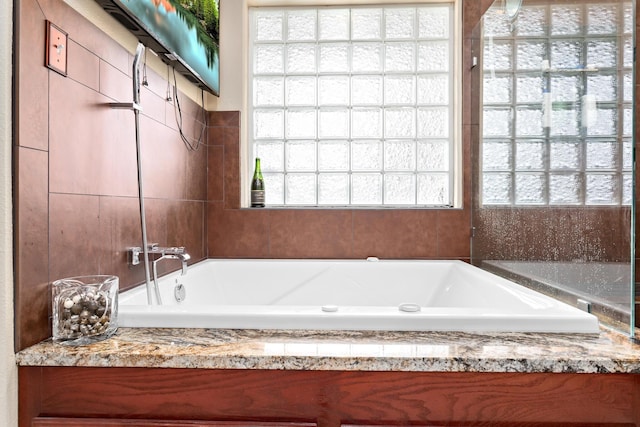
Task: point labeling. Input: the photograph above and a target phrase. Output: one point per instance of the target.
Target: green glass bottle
(257, 187)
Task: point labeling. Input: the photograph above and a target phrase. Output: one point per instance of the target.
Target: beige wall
(8, 370)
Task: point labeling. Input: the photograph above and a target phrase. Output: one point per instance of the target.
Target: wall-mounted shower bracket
(126, 106)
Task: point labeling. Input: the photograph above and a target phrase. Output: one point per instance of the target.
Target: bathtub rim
(566, 319)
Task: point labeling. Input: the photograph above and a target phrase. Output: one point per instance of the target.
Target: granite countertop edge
(608, 352)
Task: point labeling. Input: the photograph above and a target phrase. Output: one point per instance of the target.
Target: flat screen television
(184, 34)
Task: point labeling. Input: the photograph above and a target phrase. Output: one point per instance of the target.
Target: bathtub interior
(340, 283)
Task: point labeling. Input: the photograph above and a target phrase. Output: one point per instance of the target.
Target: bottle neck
(257, 172)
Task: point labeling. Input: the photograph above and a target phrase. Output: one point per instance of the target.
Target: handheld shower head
(136, 73)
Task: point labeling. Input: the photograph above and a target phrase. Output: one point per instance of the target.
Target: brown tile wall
(76, 195)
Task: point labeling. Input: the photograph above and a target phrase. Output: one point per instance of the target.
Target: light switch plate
(56, 49)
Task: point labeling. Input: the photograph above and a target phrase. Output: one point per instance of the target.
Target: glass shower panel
(554, 205)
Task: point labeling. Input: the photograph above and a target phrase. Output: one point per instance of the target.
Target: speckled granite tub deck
(608, 352)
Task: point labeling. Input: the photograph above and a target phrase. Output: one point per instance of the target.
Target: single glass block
(433, 155)
(300, 91)
(529, 89)
(628, 18)
(601, 154)
(333, 189)
(627, 154)
(301, 25)
(530, 189)
(496, 121)
(532, 21)
(268, 91)
(399, 23)
(268, 59)
(399, 89)
(366, 24)
(300, 189)
(366, 155)
(496, 23)
(268, 124)
(564, 155)
(564, 189)
(564, 121)
(602, 18)
(498, 55)
(496, 188)
(433, 56)
(399, 123)
(366, 57)
(333, 90)
(566, 20)
(334, 57)
(566, 54)
(565, 88)
(528, 121)
(433, 122)
(627, 121)
(605, 123)
(496, 89)
(268, 25)
(530, 155)
(433, 22)
(274, 188)
(301, 58)
(334, 123)
(601, 54)
(333, 24)
(366, 189)
(271, 154)
(602, 86)
(300, 156)
(433, 89)
(300, 123)
(529, 55)
(627, 52)
(399, 57)
(628, 87)
(333, 155)
(399, 155)
(496, 156)
(601, 189)
(433, 189)
(627, 188)
(366, 90)
(399, 189)
(366, 123)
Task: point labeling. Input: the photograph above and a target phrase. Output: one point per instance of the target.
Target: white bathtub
(350, 295)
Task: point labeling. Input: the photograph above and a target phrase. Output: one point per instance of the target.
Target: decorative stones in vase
(85, 309)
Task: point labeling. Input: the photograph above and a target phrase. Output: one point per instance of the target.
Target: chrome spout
(182, 256)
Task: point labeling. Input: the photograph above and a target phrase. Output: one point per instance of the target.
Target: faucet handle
(133, 255)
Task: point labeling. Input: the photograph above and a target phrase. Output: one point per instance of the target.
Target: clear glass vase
(85, 309)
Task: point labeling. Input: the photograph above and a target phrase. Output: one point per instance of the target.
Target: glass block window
(352, 106)
(557, 105)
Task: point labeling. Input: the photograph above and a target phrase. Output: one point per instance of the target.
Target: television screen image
(185, 33)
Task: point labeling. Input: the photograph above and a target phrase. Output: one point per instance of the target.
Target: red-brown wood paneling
(331, 398)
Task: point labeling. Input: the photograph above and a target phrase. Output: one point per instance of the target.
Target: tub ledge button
(330, 308)
(409, 307)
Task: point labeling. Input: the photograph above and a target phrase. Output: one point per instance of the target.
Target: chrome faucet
(176, 253)
(156, 254)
